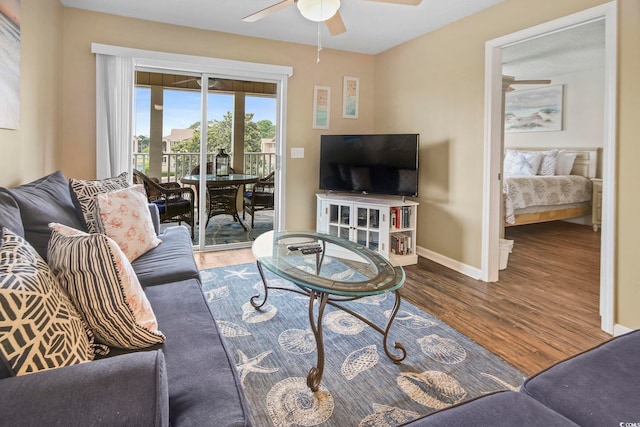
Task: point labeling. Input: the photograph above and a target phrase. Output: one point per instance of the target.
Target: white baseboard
(454, 265)
(619, 330)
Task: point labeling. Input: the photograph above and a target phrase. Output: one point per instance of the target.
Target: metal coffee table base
(315, 374)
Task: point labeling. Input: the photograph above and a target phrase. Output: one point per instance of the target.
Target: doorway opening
(492, 210)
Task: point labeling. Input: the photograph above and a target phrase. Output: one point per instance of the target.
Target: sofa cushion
(124, 216)
(128, 390)
(83, 194)
(169, 262)
(39, 327)
(10, 213)
(103, 286)
(42, 201)
(595, 388)
(204, 389)
(505, 408)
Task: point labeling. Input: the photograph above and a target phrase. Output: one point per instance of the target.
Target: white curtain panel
(114, 115)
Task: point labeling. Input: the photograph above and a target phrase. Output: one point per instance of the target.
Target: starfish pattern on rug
(241, 274)
(247, 365)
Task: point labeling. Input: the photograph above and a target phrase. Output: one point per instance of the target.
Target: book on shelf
(401, 244)
(400, 217)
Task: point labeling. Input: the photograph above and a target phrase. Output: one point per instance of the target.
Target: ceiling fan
(507, 81)
(318, 11)
(213, 83)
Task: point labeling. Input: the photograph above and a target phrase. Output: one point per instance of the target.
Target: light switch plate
(297, 152)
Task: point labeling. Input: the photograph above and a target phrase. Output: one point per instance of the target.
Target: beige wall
(33, 150)
(82, 28)
(628, 173)
(434, 85)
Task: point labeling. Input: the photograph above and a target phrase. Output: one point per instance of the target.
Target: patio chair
(175, 203)
(260, 197)
(221, 200)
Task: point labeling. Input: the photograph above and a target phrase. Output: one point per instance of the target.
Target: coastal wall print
(534, 110)
(321, 103)
(350, 94)
(9, 64)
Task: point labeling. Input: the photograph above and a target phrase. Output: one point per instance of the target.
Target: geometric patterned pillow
(83, 193)
(549, 162)
(103, 286)
(124, 216)
(39, 327)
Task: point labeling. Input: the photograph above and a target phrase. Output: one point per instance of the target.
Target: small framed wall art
(350, 95)
(321, 103)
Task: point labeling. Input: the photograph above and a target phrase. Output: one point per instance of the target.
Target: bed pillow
(549, 162)
(565, 163)
(40, 328)
(104, 288)
(124, 216)
(522, 162)
(84, 192)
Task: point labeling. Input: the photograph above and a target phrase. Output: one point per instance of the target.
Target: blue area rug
(274, 349)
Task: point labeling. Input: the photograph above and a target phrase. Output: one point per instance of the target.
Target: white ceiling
(575, 49)
(372, 27)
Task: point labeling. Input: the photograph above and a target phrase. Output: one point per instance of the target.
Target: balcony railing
(177, 165)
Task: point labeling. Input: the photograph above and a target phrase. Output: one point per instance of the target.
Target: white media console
(386, 225)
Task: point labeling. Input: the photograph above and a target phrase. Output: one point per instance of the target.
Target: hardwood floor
(543, 309)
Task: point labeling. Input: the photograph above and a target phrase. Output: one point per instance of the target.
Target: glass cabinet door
(368, 227)
(339, 220)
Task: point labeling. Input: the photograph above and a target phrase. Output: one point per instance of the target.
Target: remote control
(303, 246)
(314, 250)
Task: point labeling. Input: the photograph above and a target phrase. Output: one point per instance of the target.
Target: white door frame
(491, 211)
(224, 68)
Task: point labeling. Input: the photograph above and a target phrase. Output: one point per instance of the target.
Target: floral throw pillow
(103, 286)
(124, 216)
(40, 328)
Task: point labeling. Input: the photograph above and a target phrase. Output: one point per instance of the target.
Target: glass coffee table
(283, 253)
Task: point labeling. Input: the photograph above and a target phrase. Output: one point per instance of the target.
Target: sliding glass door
(182, 122)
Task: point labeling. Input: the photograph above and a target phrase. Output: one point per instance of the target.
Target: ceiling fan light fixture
(318, 10)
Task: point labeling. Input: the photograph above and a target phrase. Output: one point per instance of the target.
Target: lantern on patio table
(222, 163)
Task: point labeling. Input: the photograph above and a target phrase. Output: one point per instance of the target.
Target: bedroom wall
(583, 109)
(78, 123)
(33, 149)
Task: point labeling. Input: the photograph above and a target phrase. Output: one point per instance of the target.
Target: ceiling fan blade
(268, 11)
(531, 82)
(335, 25)
(405, 2)
(184, 81)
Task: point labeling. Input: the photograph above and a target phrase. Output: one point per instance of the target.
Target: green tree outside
(219, 135)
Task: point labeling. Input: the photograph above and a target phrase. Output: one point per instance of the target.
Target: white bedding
(527, 191)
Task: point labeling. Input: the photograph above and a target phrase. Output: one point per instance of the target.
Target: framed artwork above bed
(534, 110)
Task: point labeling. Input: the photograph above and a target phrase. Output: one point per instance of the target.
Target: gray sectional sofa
(597, 388)
(190, 380)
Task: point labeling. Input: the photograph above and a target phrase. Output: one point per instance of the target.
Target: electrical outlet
(297, 152)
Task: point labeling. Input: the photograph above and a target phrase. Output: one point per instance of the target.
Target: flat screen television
(370, 164)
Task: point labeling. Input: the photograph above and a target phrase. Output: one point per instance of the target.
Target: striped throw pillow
(39, 327)
(103, 286)
(84, 194)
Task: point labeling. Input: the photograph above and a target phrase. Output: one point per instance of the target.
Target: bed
(562, 194)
